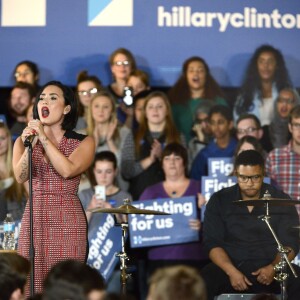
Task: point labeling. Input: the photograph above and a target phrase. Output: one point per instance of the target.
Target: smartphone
(100, 192)
(128, 96)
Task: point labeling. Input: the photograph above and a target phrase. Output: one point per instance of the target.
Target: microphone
(28, 141)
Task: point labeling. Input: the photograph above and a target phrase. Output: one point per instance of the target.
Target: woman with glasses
(193, 86)
(87, 87)
(122, 64)
(202, 134)
(27, 71)
(279, 129)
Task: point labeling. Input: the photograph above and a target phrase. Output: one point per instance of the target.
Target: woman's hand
(195, 224)
(156, 149)
(111, 129)
(197, 128)
(35, 127)
(98, 203)
(201, 200)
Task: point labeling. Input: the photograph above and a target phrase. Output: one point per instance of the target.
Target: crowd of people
(159, 146)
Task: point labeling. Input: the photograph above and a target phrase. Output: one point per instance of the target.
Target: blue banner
(105, 242)
(64, 37)
(220, 166)
(154, 230)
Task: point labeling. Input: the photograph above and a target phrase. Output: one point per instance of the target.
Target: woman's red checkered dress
(60, 227)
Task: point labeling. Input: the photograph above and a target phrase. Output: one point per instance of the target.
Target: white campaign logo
(183, 16)
(21, 13)
(110, 12)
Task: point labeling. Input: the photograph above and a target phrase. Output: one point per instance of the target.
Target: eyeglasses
(245, 179)
(125, 63)
(296, 125)
(247, 131)
(200, 121)
(88, 92)
(24, 74)
(286, 100)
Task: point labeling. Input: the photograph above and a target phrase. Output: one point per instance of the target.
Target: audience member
(265, 76)
(249, 142)
(283, 164)
(87, 87)
(12, 194)
(193, 86)
(142, 150)
(138, 81)
(104, 173)
(104, 128)
(223, 145)
(174, 160)
(14, 270)
(249, 124)
(202, 134)
(103, 125)
(138, 107)
(28, 71)
(278, 129)
(122, 64)
(22, 95)
(176, 283)
(71, 279)
(240, 245)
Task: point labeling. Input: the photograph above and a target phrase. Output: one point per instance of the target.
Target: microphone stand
(281, 267)
(28, 143)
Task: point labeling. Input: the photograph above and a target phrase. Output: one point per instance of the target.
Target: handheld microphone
(28, 141)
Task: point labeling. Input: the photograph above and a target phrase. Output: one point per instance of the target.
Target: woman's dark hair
(84, 76)
(31, 65)
(177, 149)
(250, 140)
(71, 99)
(252, 82)
(101, 156)
(106, 156)
(180, 92)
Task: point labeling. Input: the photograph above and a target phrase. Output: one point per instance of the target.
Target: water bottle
(9, 233)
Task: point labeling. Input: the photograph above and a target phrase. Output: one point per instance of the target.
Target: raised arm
(73, 165)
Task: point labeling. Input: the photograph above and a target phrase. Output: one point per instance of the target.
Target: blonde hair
(91, 122)
(16, 191)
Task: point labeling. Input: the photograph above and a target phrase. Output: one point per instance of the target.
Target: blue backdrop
(64, 37)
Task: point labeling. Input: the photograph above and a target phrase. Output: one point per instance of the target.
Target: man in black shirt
(241, 247)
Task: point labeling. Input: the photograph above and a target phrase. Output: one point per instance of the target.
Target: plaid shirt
(283, 167)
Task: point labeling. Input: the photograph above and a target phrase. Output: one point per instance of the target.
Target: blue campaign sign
(154, 230)
(220, 166)
(105, 242)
